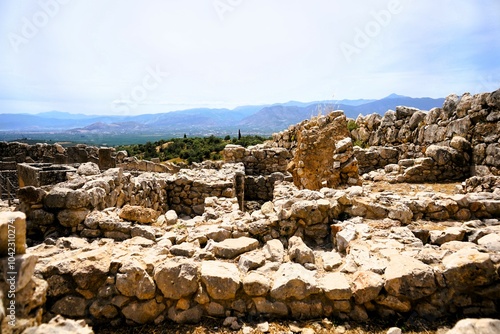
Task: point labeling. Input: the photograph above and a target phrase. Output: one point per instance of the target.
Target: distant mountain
(111, 127)
(256, 119)
(62, 115)
(279, 117)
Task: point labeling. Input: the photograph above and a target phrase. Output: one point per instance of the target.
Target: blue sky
(131, 56)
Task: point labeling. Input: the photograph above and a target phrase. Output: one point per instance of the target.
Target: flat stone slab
(231, 248)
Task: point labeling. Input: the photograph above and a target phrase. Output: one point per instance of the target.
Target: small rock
(263, 327)
(394, 330)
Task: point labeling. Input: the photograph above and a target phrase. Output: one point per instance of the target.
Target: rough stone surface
(230, 248)
(410, 278)
(293, 280)
(222, 280)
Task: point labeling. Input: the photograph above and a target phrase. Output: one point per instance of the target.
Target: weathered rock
(476, 326)
(274, 250)
(256, 284)
(70, 306)
(133, 280)
(366, 286)
(12, 224)
(491, 242)
(251, 260)
(138, 214)
(265, 306)
(72, 217)
(60, 325)
(56, 198)
(331, 260)
(299, 252)
(177, 279)
(221, 279)
(344, 237)
(439, 237)
(171, 217)
(336, 286)
(230, 248)
(143, 312)
(88, 168)
(293, 280)
(185, 249)
(467, 268)
(192, 315)
(410, 278)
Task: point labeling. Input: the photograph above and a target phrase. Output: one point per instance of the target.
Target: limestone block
(299, 252)
(177, 279)
(221, 279)
(251, 260)
(60, 325)
(292, 280)
(132, 280)
(192, 315)
(408, 277)
(467, 268)
(331, 260)
(56, 198)
(256, 284)
(138, 214)
(366, 286)
(230, 248)
(474, 326)
(336, 286)
(12, 229)
(70, 306)
(88, 168)
(491, 242)
(274, 250)
(143, 312)
(72, 217)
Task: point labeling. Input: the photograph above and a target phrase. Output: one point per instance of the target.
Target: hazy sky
(132, 56)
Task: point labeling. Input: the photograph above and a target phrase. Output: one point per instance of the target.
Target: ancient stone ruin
(305, 226)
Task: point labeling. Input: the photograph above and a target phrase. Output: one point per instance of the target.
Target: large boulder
(299, 252)
(221, 279)
(177, 279)
(142, 312)
(132, 280)
(138, 214)
(476, 326)
(366, 286)
(293, 281)
(231, 248)
(467, 268)
(408, 277)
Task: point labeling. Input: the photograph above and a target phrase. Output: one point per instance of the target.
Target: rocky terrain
(306, 226)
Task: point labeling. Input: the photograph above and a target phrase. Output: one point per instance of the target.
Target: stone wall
(463, 137)
(223, 268)
(263, 166)
(317, 152)
(322, 152)
(62, 208)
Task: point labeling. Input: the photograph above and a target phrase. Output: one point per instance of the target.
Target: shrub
(351, 125)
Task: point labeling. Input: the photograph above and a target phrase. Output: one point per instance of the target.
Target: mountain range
(259, 119)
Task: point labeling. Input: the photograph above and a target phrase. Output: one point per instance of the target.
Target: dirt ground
(214, 326)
